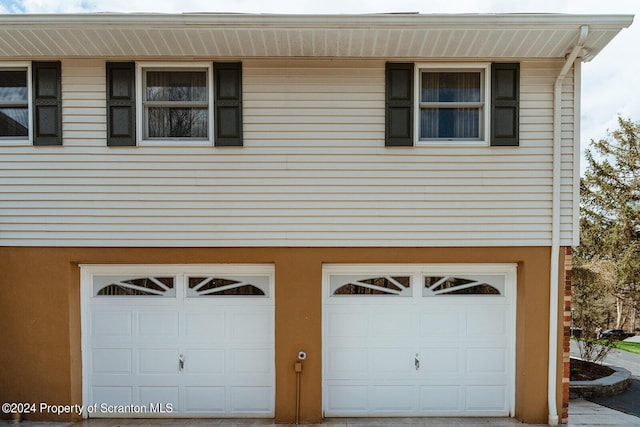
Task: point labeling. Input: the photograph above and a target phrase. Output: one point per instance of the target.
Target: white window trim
(485, 67)
(29, 139)
(140, 124)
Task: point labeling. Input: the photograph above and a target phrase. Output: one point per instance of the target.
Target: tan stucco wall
(40, 359)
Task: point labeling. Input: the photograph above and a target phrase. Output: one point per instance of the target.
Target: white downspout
(555, 225)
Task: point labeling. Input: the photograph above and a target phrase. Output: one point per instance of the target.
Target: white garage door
(410, 340)
(178, 341)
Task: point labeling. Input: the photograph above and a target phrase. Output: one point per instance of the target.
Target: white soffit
(333, 36)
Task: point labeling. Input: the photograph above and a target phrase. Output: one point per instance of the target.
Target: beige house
(192, 203)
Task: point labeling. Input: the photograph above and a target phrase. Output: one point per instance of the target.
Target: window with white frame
(14, 103)
(176, 102)
(453, 102)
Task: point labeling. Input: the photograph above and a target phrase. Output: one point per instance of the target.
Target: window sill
(175, 143)
(451, 143)
(15, 142)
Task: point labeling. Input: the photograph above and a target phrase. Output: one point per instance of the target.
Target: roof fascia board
(319, 21)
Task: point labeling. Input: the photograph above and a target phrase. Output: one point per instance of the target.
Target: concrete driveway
(581, 413)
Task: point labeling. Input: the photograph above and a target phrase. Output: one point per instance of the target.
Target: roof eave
(389, 36)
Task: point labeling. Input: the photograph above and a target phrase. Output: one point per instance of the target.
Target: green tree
(610, 216)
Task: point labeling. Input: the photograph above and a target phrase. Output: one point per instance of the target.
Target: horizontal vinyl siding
(313, 172)
(84, 112)
(537, 81)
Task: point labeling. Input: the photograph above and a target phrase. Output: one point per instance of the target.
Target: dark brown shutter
(228, 104)
(47, 103)
(399, 105)
(505, 104)
(121, 104)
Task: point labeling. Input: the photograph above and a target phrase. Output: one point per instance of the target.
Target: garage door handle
(417, 362)
(181, 362)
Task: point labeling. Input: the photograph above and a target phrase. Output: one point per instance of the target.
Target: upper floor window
(176, 103)
(453, 103)
(152, 103)
(14, 103)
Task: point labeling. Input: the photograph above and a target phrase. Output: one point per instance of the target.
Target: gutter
(555, 225)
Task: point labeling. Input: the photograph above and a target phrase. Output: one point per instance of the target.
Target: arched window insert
(134, 286)
(385, 285)
(211, 286)
(449, 285)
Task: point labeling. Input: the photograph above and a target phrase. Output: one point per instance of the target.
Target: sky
(610, 82)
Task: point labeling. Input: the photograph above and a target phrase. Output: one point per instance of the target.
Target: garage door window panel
(202, 286)
(379, 286)
(123, 286)
(450, 285)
